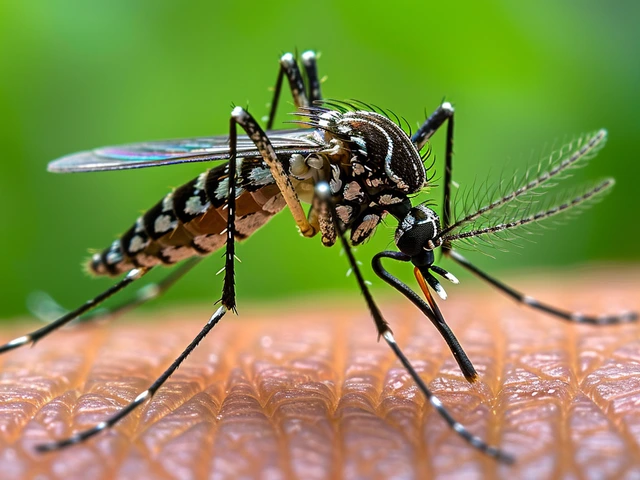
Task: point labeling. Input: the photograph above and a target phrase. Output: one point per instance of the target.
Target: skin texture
(309, 393)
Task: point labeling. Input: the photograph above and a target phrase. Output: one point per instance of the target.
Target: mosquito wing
(168, 152)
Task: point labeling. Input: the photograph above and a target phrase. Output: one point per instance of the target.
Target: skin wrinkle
(341, 358)
(381, 410)
(420, 402)
(567, 444)
(183, 389)
(234, 422)
(186, 394)
(78, 378)
(604, 405)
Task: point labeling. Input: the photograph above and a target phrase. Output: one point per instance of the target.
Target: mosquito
(354, 164)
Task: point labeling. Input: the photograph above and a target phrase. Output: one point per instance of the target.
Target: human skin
(306, 391)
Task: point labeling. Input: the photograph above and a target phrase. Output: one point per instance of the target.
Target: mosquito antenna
(593, 143)
(36, 335)
(598, 189)
(323, 192)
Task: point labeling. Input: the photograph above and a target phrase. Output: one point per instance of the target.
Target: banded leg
(311, 70)
(324, 192)
(431, 311)
(535, 304)
(228, 303)
(301, 98)
(143, 295)
(140, 399)
(443, 113)
(262, 143)
(36, 335)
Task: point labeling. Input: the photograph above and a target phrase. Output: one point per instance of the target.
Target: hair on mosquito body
(355, 164)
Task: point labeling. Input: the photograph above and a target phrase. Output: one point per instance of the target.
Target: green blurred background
(77, 75)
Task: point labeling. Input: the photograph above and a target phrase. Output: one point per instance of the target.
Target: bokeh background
(523, 76)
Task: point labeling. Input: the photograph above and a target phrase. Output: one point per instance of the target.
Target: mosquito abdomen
(192, 220)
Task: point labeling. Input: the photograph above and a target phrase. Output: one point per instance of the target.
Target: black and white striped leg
(432, 312)
(435, 402)
(314, 92)
(576, 317)
(301, 97)
(140, 399)
(443, 113)
(241, 117)
(283, 181)
(36, 335)
(143, 295)
(228, 299)
(324, 193)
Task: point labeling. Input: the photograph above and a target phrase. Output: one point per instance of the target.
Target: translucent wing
(167, 152)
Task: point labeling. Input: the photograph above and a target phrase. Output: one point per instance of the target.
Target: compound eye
(418, 231)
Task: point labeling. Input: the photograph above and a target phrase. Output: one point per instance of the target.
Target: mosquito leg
(140, 399)
(309, 63)
(535, 304)
(146, 293)
(256, 134)
(228, 303)
(324, 192)
(443, 113)
(228, 299)
(289, 68)
(36, 335)
(432, 312)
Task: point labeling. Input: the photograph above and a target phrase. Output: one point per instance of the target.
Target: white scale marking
(162, 224)
(352, 191)
(137, 243)
(441, 292)
(202, 179)
(217, 314)
(261, 176)
(194, 205)
(388, 199)
(135, 274)
(142, 396)
(167, 203)
(286, 58)
(19, 341)
(308, 56)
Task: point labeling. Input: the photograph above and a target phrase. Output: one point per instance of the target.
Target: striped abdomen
(192, 219)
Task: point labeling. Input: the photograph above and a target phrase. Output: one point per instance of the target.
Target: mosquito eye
(417, 230)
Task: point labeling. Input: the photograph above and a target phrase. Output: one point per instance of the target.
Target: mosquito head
(418, 233)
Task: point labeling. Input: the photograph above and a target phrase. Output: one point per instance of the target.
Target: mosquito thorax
(371, 166)
(381, 142)
(418, 231)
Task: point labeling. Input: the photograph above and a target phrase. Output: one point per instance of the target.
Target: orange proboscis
(424, 287)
